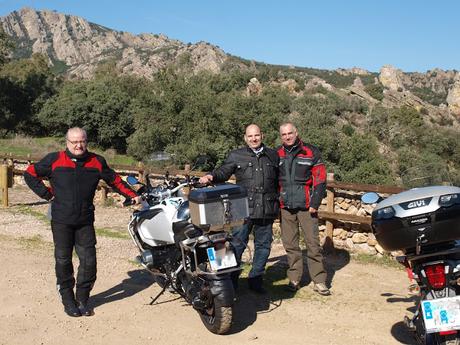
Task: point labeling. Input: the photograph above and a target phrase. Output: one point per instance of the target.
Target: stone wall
(353, 237)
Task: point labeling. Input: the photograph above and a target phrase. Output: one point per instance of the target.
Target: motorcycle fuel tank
(420, 216)
(157, 230)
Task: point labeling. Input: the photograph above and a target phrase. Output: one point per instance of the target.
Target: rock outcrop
(453, 98)
(79, 45)
(391, 78)
(254, 87)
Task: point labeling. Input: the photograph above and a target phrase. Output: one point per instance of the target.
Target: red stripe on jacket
(63, 161)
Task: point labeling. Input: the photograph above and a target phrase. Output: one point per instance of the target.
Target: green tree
(360, 161)
(102, 106)
(6, 46)
(26, 85)
(375, 91)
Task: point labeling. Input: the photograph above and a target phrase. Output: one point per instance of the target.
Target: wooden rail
(329, 216)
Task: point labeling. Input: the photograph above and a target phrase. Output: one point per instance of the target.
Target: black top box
(418, 217)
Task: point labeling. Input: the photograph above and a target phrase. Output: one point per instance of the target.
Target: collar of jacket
(80, 158)
(262, 152)
(294, 147)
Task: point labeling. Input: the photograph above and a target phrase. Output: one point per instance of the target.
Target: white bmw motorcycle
(194, 259)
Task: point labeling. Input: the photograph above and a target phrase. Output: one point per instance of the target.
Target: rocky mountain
(75, 47)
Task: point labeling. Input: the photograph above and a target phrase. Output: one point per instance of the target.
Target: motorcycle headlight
(449, 200)
(384, 213)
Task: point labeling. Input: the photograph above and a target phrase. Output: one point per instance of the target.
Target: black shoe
(71, 309)
(255, 284)
(258, 290)
(84, 309)
(293, 286)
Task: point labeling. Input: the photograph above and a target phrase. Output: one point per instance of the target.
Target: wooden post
(10, 164)
(141, 172)
(329, 243)
(103, 195)
(4, 184)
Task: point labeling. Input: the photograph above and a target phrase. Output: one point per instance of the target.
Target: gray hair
(75, 129)
(288, 123)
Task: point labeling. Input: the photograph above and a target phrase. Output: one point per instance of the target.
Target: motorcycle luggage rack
(453, 250)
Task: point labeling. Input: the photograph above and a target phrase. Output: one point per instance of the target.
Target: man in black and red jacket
(302, 184)
(74, 175)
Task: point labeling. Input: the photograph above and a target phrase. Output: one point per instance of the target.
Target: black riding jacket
(73, 181)
(258, 174)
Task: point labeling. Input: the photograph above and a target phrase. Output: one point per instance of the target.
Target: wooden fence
(329, 216)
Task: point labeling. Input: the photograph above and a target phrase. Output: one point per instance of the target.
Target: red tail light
(436, 276)
(447, 332)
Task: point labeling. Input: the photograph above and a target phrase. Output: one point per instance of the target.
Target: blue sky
(413, 35)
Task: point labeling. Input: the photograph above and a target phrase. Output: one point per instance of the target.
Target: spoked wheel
(217, 318)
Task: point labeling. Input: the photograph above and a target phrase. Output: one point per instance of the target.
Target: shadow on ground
(401, 333)
(250, 304)
(138, 280)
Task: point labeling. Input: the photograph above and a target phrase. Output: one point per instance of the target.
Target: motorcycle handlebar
(128, 202)
(160, 194)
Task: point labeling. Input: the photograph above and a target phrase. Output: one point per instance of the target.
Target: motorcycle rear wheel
(451, 339)
(217, 319)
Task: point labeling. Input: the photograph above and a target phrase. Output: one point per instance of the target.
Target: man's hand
(205, 179)
(312, 210)
(137, 200)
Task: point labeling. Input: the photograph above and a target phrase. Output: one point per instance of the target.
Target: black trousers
(82, 237)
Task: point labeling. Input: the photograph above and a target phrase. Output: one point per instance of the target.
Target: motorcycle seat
(183, 230)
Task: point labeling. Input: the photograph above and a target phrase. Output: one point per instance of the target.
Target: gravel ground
(367, 305)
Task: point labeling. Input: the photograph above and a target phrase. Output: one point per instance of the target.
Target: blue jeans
(263, 236)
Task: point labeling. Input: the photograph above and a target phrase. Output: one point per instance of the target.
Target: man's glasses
(81, 142)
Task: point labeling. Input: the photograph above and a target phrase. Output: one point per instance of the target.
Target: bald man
(74, 175)
(256, 169)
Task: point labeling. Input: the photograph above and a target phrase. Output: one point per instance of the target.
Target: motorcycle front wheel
(217, 318)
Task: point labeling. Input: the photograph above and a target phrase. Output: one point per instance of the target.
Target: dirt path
(367, 305)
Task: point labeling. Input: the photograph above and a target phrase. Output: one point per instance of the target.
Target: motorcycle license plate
(221, 258)
(441, 314)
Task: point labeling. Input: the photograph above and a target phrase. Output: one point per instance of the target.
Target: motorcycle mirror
(370, 198)
(201, 162)
(132, 180)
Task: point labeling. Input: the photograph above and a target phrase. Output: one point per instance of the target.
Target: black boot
(235, 276)
(69, 302)
(256, 285)
(71, 308)
(84, 309)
